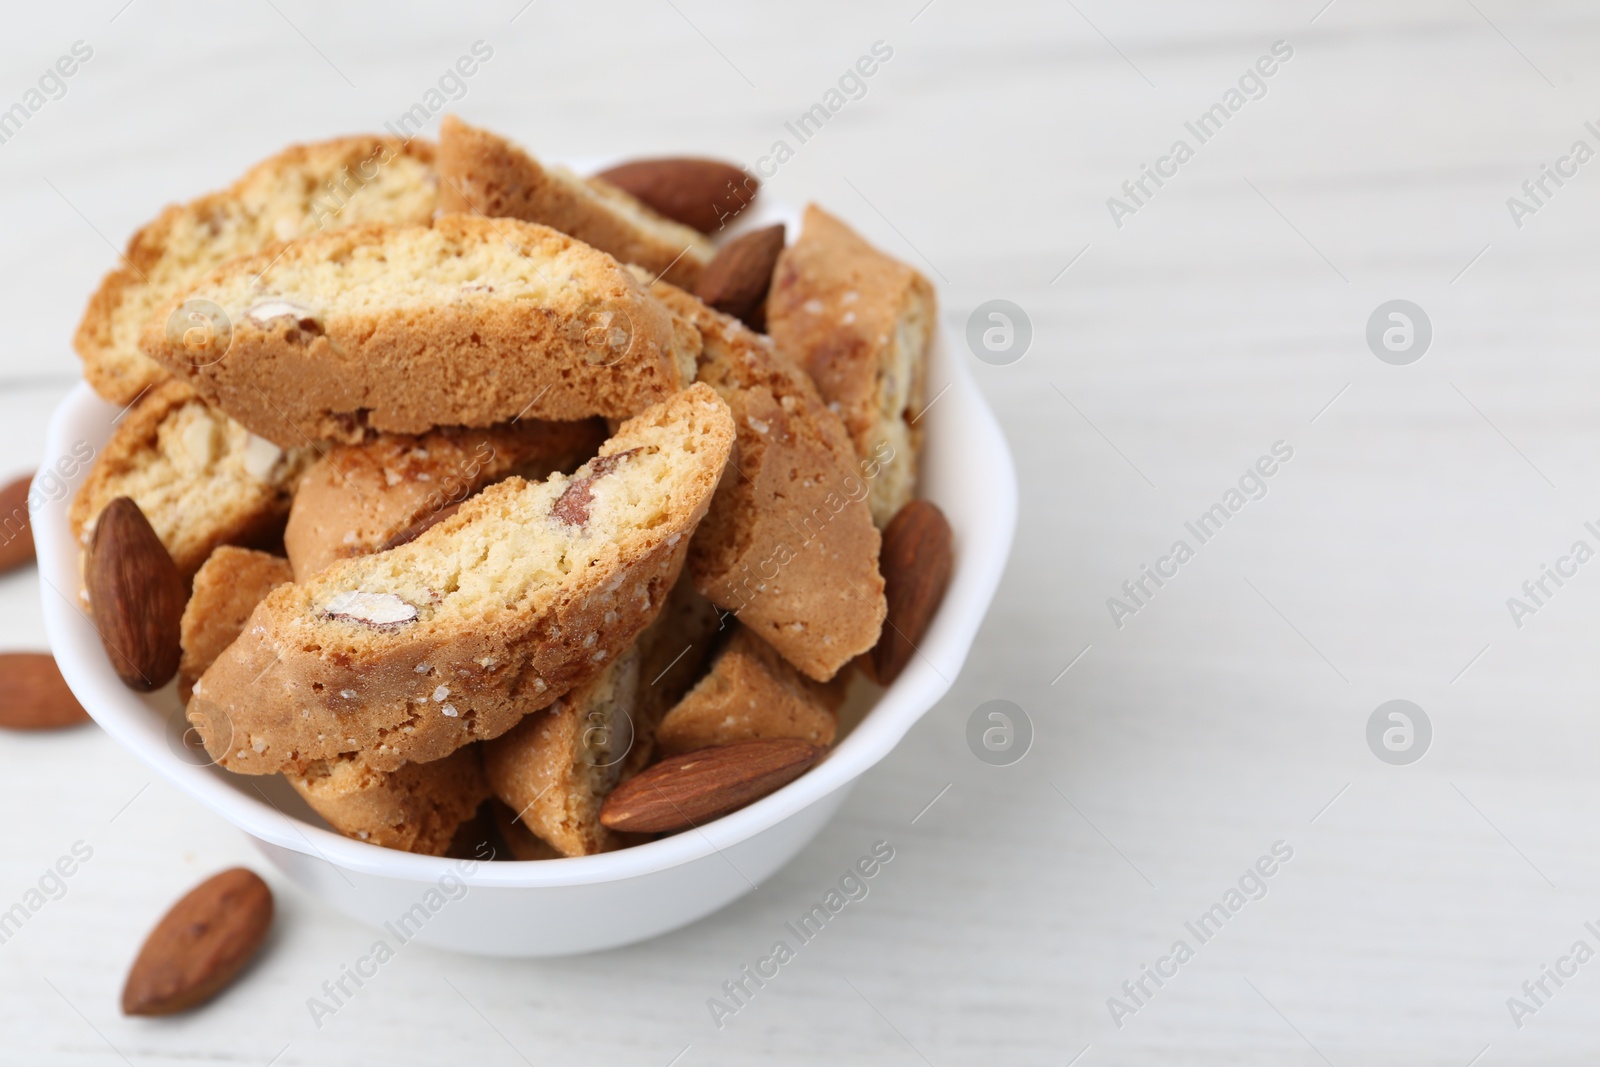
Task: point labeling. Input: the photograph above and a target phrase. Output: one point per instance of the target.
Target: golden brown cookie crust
(752, 693)
(527, 591)
(303, 189)
(788, 544)
(417, 808)
(469, 322)
(675, 650)
(484, 174)
(227, 588)
(556, 766)
(860, 323)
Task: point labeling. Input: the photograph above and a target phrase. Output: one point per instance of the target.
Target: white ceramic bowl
(550, 907)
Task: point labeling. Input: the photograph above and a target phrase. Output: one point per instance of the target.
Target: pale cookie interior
(200, 478)
(299, 191)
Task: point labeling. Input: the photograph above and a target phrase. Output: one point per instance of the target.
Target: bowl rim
(983, 544)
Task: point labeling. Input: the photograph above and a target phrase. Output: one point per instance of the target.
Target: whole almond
(703, 193)
(137, 595)
(737, 280)
(696, 787)
(917, 557)
(16, 532)
(200, 945)
(33, 695)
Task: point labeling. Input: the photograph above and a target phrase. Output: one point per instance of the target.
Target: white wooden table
(1227, 313)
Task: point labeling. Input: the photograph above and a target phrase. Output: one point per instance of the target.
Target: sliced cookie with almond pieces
(201, 479)
(788, 545)
(402, 329)
(528, 590)
(417, 808)
(484, 174)
(556, 766)
(300, 191)
(752, 693)
(359, 499)
(860, 323)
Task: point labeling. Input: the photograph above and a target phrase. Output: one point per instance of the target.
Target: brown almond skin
(696, 787)
(737, 280)
(16, 525)
(34, 696)
(137, 595)
(703, 193)
(918, 555)
(200, 945)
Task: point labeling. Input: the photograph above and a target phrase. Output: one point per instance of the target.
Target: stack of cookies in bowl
(477, 497)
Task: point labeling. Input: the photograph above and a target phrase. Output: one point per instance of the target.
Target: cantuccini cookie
(299, 191)
(528, 590)
(401, 329)
(417, 808)
(860, 323)
(520, 842)
(359, 499)
(752, 692)
(674, 650)
(788, 545)
(556, 766)
(484, 174)
(227, 588)
(201, 479)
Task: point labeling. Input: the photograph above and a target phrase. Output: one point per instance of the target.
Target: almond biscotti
(527, 591)
(299, 191)
(401, 329)
(359, 499)
(860, 323)
(484, 174)
(556, 766)
(752, 693)
(199, 477)
(674, 651)
(788, 545)
(227, 588)
(417, 808)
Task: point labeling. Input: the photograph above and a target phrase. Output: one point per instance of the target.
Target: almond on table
(34, 696)
(16, 526)
(200, 945)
